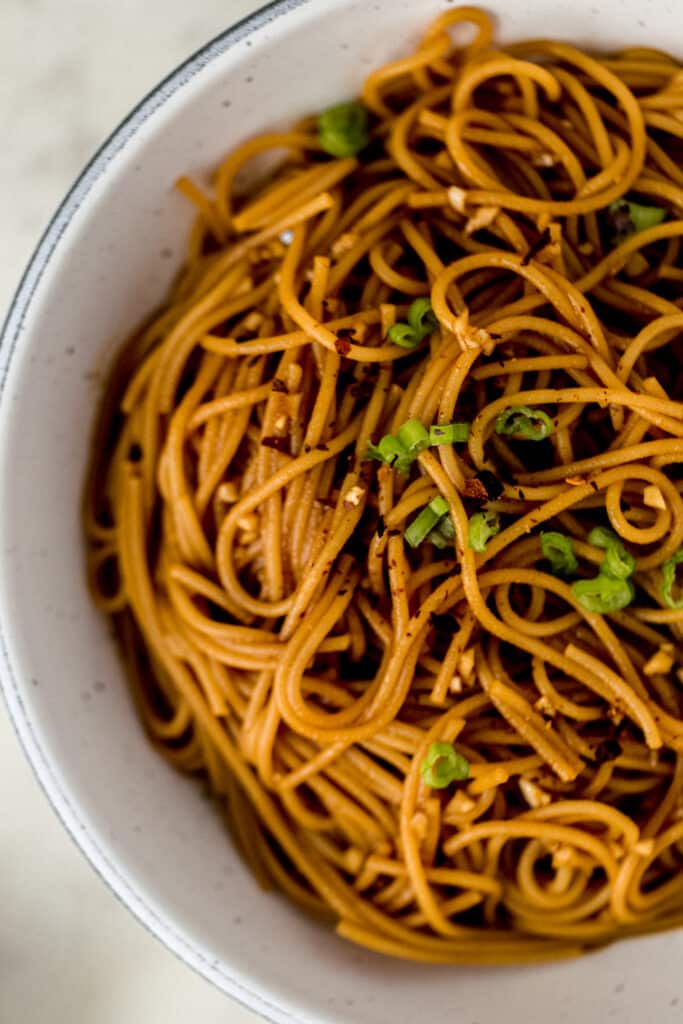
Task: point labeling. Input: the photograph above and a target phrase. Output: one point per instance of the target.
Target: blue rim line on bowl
(212, 969)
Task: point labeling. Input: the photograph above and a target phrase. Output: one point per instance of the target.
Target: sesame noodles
(386, 504)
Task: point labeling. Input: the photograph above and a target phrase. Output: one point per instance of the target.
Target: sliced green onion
(443, 534)
(429, 517)
(449, 433)
(604, 594)
(627, 218)
(669, 580)
(403, 335)
(525, 422)
(446, 529)
(421, 322)
(413, 436)
(388, 450)
(422, 318)
(444, 765)
(602, 537)
(559, 550)
(343, 129)
(482, 526)
(618, 562)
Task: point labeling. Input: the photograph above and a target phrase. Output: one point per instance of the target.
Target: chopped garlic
(483, 218)
(661, 661)
(249, 524)
(653, 497)
(586, 248)
(456, 684)
(344, 244)
(457, 197)
(280, 422)
(253, 321)
(543, 159)
(562, 856)
(644, 847)
(544, 706)
(466, 664)
(228, 492)
(472, 337)
(533, 794)
(353, 497)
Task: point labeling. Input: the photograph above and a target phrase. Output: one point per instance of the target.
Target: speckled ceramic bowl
(105, 262)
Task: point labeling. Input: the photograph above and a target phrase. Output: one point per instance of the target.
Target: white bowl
(104, 262)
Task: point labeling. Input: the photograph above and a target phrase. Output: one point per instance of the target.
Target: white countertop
(68, 950)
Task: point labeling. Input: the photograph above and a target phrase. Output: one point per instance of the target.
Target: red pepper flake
(280, 444)
(343, 346)
(279, 385)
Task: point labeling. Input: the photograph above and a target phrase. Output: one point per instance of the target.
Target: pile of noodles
(283, 639)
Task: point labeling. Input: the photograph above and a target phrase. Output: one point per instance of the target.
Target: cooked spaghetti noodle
(387, 511)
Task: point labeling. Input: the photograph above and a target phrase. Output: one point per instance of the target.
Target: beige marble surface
(69, 952)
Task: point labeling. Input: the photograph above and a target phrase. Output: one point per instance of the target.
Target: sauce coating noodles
(516, 216)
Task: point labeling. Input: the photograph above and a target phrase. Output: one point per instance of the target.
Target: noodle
(291, 631)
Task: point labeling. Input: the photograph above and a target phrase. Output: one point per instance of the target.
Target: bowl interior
(105, 263)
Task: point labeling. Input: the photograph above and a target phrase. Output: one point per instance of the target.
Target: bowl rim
(244, 991)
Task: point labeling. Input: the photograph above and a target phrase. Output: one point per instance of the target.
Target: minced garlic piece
(228, 492)
(661, 661)
(455, 685)
(466, 664)
(253, 321)
(653, 497)
(344, 244)
(533, 794)
(472, 337)
(644, 847)
(543, 159)
(544, 706)
(457, 197)
(353, 497)
(562, 856)
(483, 218)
